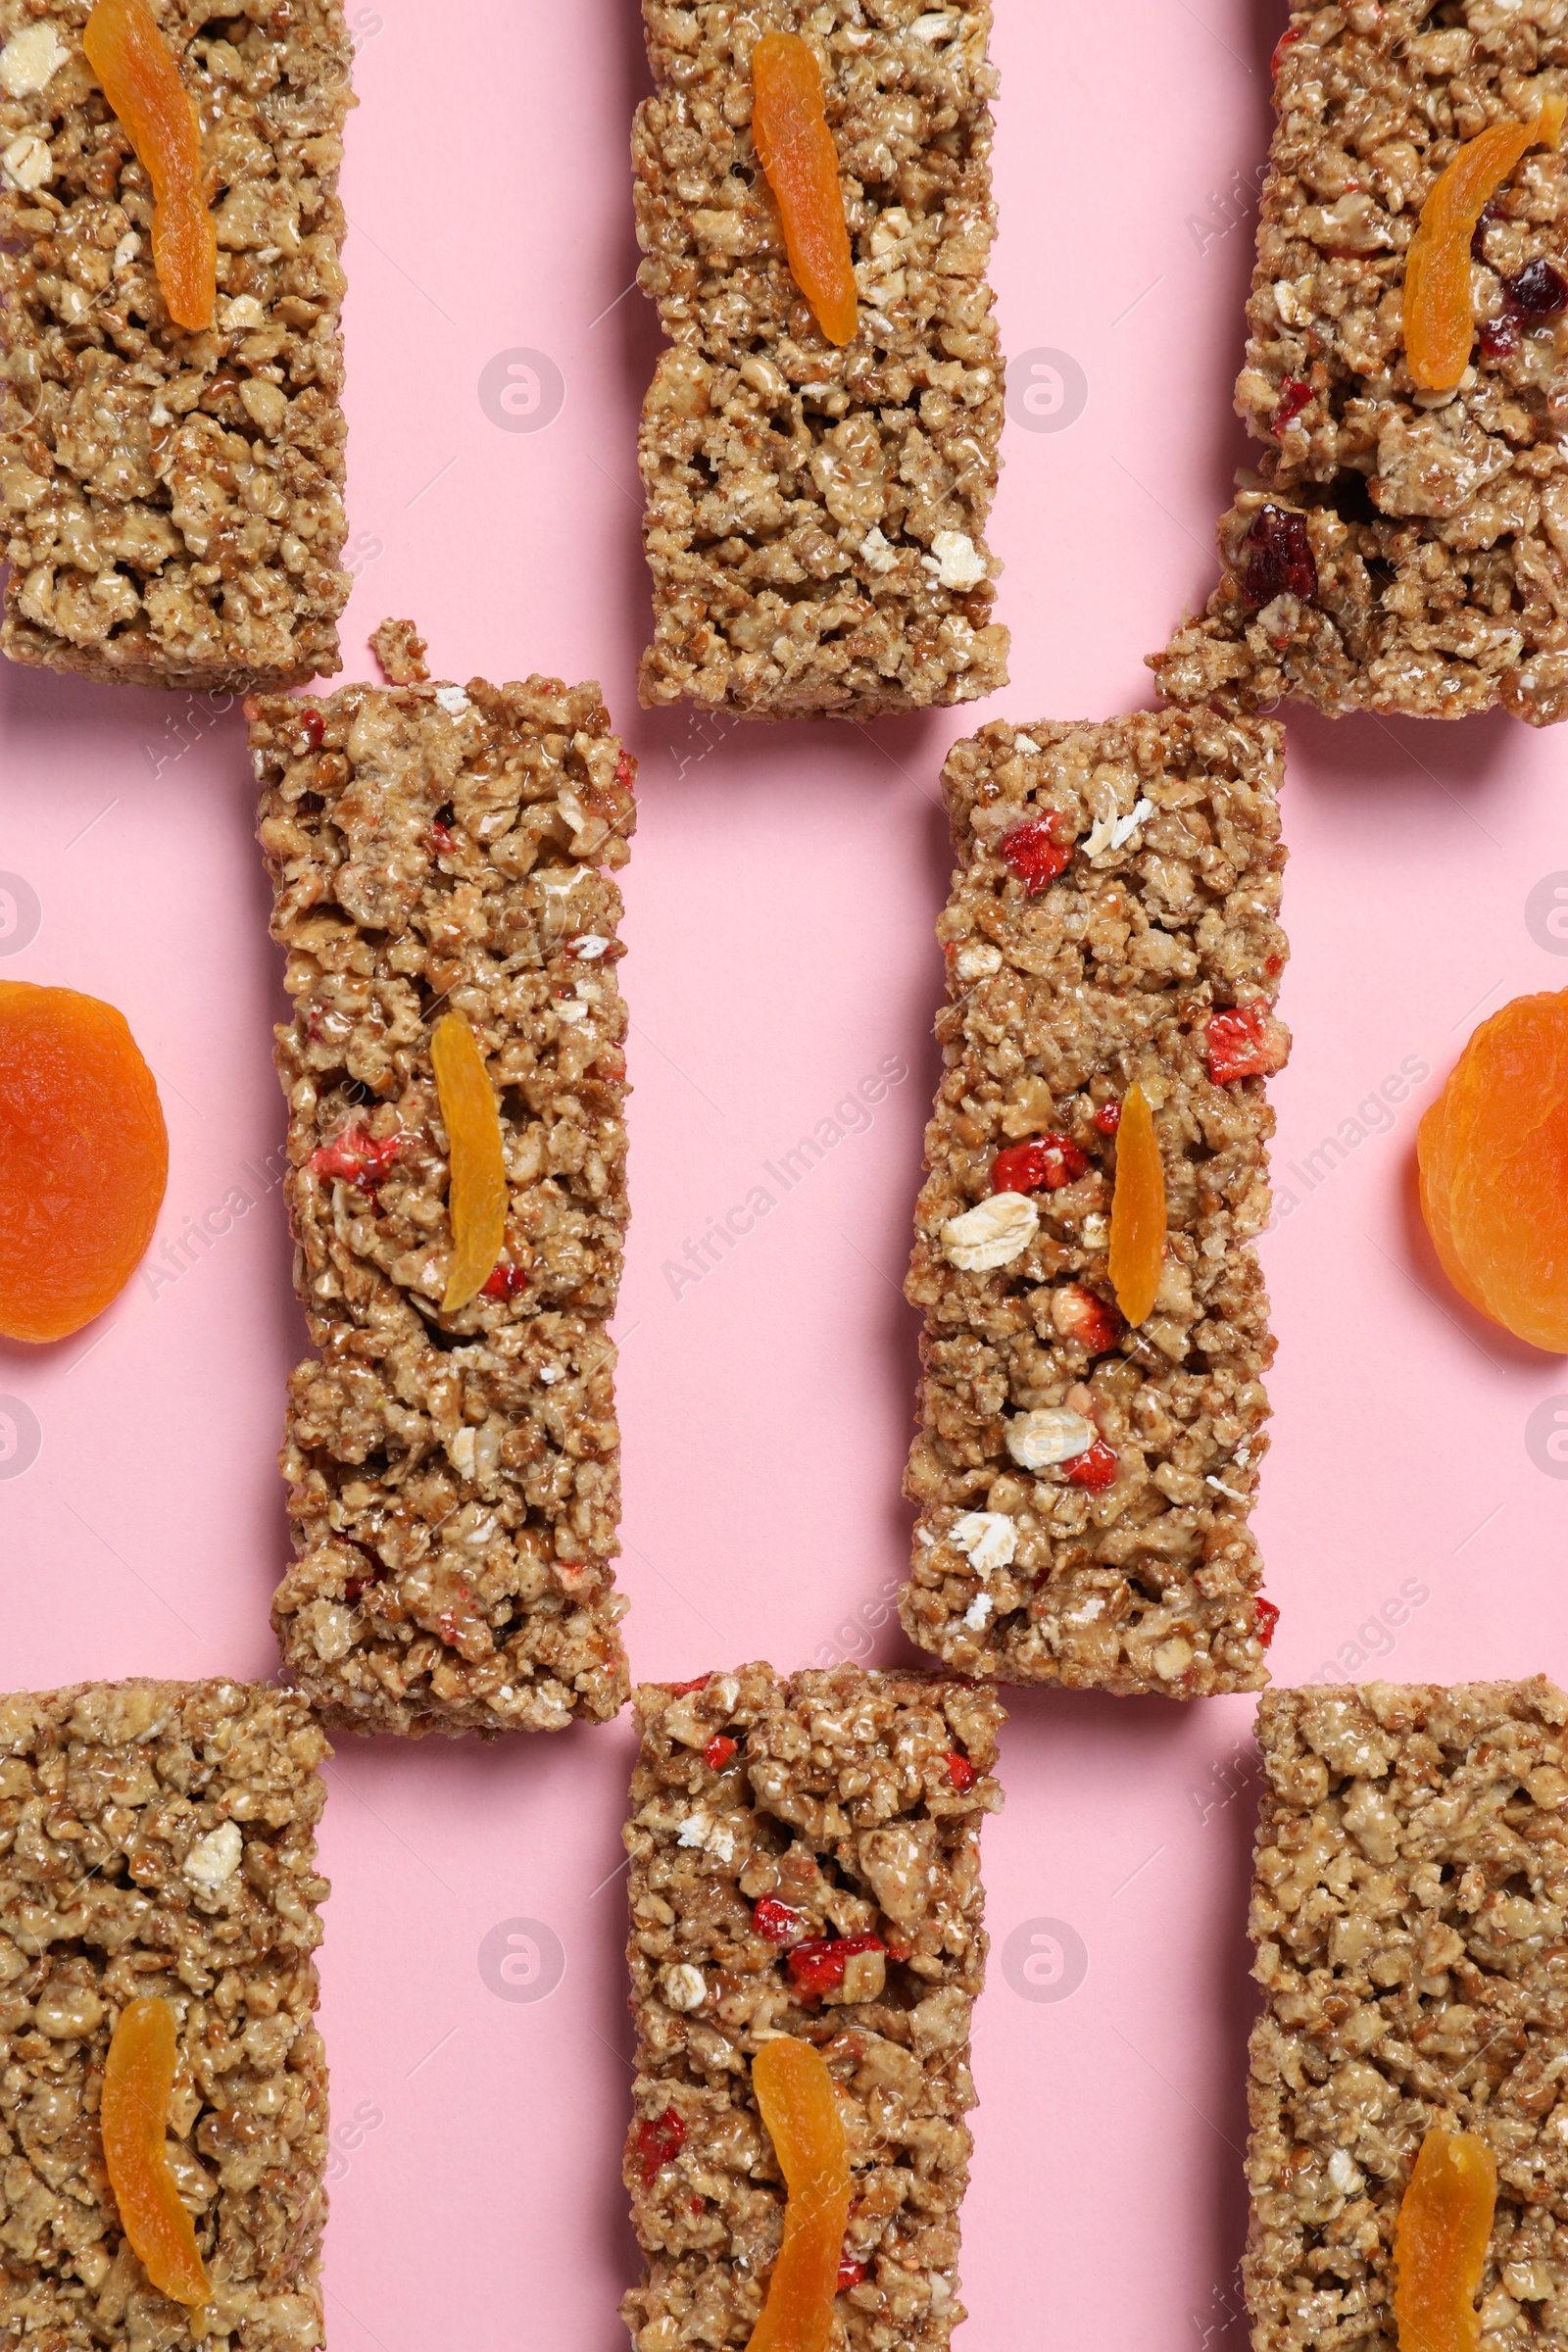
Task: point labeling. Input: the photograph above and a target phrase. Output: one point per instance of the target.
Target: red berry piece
(1279, 558)
(718, 1753)
(1244, 1043)
(1268, 1618)
(355, 1158)
(1035, 855)
(1043, 1164)
(1536, 291)
(312, 726)
(961, 1772)
(442, 839)
(1093, 1323)
(507, 1282)
(1095, 1469)
(1292, 399)
(777, 1922)
(1499, 336)
(627, 772)
(851, 2273)
(1285, 41)
(817, 1965)
(356, 1585)
(658, 2143)
(1107, 1118)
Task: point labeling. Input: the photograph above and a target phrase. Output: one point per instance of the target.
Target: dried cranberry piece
(681, 1689)
(1280, 559)
(817, 1965)
(1035, 855)
(1285, 41)
(358, 1159)
(777, 1922)
(658, 2143)
(1094, 1469)
(506, 1282)
(1536, 291)
(1246, 1043)
(1499, 336)
(1107, 1118)
(851, 2273)
(961, 1772)
(1043, 1164)
(1268, 1618)
(312, 726)
(1292, 399)
(718, 1753)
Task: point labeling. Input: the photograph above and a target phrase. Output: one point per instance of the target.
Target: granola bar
(1408, 1904)
(454, 1479)
(1134, 1570)
(173, 501)
(816, 518)
(1414, 561)
(157, 1839)
(804, 1859)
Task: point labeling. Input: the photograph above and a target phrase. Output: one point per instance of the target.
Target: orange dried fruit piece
(83, 1158)
(1137, 1209)
(795, 148)
(794, 2094)
(1439, 2243)
(1438, 314)
(477, 1197)
(140, 79)
(134, 2119)
(1494, 1163)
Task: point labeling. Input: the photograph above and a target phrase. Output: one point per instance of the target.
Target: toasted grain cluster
(1165, 914)
(839, 1800)
(1437, 525)
(157, 1838)
(1408, 1909)
(173, 501)
(816, 515)
(454, 1480)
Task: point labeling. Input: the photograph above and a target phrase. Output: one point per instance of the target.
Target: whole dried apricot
(83, 1158)
(1494, 1162)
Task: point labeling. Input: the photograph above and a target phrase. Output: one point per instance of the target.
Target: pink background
(781, 899)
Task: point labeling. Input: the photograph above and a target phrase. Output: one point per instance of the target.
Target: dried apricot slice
(133, 2117)
(1137, 1208)
(1494, 1170)
(83, 1158)
(1439, 2243)
(795, 148)
(477, 1197)
(141, 81)
(794, 2094)
(1439, 314)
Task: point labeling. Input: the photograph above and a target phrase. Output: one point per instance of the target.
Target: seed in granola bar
(817, 1965)
(1045, 1163)
(1080, 1317)
(1244, 1043)
(1438, 314)
(356, 1156)
(795, 148)
(1441, 2240)
(1093, 1470)
(1279, 558)
(1292, 399)
(1536, 291)
(1137, 1209)
(961, 1772)
(657, 2141)
(718, 1753)
(1034, 852)
(141, 81)
(134, 2119)
(800, 2111)
(83, 1159)
(776, 1922)
(477, 1193)
(1268, 1618)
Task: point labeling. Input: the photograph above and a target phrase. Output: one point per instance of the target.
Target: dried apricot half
(133, 2117)
(1494, 1162)
(83, 1158)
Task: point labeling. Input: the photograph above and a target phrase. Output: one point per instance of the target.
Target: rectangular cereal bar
(805, 1860)
(815, 517)
(1409, 1897)
(173, 501)
(454, 1479)
(1084, 1489)
(1398, 550)
(158, 1839)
